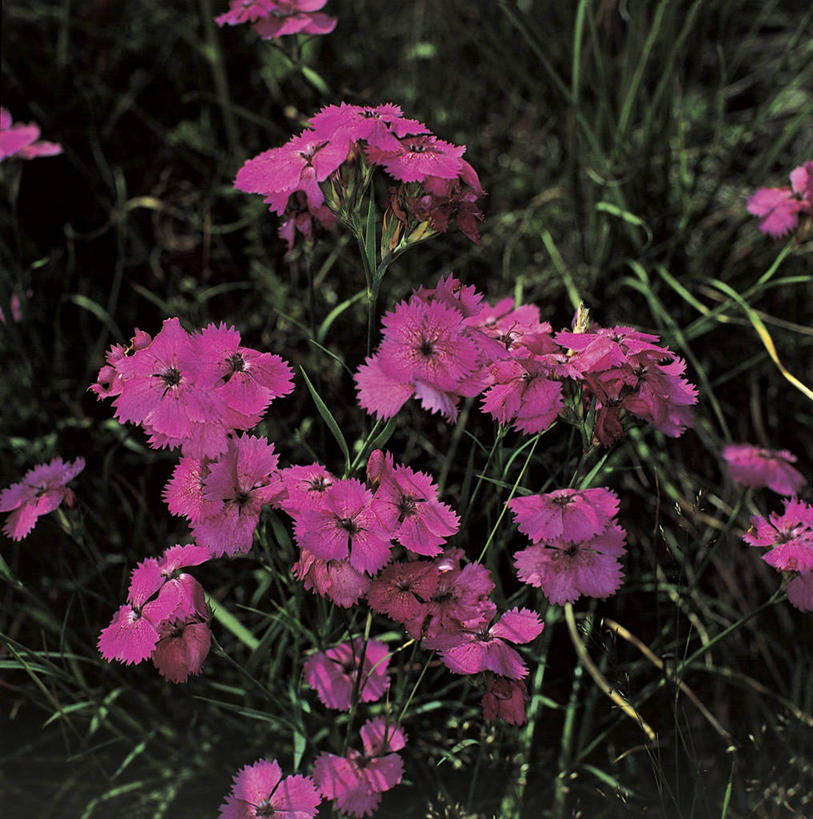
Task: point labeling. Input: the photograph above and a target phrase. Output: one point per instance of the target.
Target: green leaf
(369, 236)
(227, 619)
(328, 418)
(315, 80)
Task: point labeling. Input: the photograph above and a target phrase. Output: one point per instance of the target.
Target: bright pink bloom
(777, 208)
(304, 486)
(335, 579)
(240, 483)
(333, 673)
(22, 140)
(159, 389)
(246, 380)
(276, 18)
(301, 164)
(184, 490)
(572, 515)
(487, 649)
(418, 157)
(152, 574)
(344, 524)
(565, 571)
(379, 126)
(756, 467)
(801, 180)
(504, 699)
(453, 293)
(355, 782)
(407, 505)
(134, 631)
(41, 491)
(182, 649)
(260, 791)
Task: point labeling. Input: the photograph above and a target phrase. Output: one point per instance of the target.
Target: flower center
(426, 348)
(171, 377)
(236, 364)
(407, 506)
(349, 525)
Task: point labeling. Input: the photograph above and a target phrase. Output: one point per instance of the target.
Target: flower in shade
(23, 140)
(566, 570)
(355, 782)
(181, 649)
(259, 790)
(488, 649)
(504, 699)
(41, 491)
(276, 18)
(335, 579)
(333, 673)
(756, 467)
(778, 208)
(565, 514)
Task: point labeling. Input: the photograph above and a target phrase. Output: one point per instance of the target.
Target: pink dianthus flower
(23, 140)
(355, 782)
(260, 791)
(779, 208)
(276, 18)
(335, 579)
(570, 515)
(756, 467)
(565, 570)
(41, 491)
(333, 673)
(504, 699)
(182, 648)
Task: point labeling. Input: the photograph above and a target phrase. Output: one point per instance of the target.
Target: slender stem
(357, 682)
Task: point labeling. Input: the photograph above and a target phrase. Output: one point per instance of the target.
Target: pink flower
(182, 649)
(800, 591)
(333, 673)
(239, 484)
(344, 524)
(355, 782)
(159, 389)
(407, 505)
(335, 579)
(22, 140)
(260, 791)
(504, 699)
(756, 467)
(571, 515)
(301, 164)
(487, 649)
(184, 490)
(801, 180)
(41, 491)
(402, 592)
(565, 570)
(304, 486)
(379, 126)
(777, 208)
(276, 18)
(418, 157)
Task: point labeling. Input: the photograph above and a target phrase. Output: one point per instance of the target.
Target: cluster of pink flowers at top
(22, 140)
(445, 343)
(191, 390)
(576, 543)
(778, 209)
(790, 538)
(441, 185)
(165, 617)
(259, 790)
(276, 18)
(41, 491)
(757, 467)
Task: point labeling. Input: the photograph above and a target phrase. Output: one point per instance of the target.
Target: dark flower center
(171, 377)
(349, 525)
(563, 500)
(407, 506)
(319, 484)
(265, 808)
(426, 348)
(236, 364)
(241, 498)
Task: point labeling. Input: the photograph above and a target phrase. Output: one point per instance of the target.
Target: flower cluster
(346, 530)
(259, 790)
(778, 209)
(576, 543)
(276, 18)
(444, 344)
(22, 140)
(790, 538)
(192, 390)
(756, 467)
(41, 491)
(165, 616)
(320, 173)
(355, 782)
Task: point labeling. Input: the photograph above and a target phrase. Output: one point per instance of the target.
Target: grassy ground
(617, 142)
